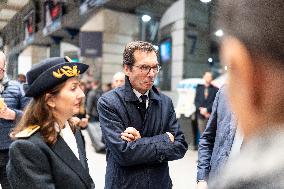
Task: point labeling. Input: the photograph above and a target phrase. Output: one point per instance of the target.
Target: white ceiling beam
(12, 7)
(4, 19)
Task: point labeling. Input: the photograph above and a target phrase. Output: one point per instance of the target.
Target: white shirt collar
(139, 94)
(69, 137)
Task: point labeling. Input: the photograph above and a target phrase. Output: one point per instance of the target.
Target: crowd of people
(241, 124)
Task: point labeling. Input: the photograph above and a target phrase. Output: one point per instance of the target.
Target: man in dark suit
(204, 98)
(139, 125)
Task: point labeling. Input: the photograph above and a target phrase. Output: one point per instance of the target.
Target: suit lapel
(81, 149)
(64, 152)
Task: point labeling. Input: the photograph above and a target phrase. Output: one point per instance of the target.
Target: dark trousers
(202, 122)
(4, 157)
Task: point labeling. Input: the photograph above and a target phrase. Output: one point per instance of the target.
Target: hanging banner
(29, 25)
(52, 16)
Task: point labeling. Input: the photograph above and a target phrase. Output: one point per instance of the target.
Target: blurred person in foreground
(48, 151)
(12, 103)
(219, 142)
(139, 125)
(204, 98)
(118, 80)
(253, 50)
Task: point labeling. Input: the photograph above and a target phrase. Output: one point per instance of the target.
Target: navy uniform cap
(51, 72)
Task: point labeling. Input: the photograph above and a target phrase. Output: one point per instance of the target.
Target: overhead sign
(91, 44)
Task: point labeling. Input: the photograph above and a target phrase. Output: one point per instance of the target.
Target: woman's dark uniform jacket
(47, 167)
(142, 164)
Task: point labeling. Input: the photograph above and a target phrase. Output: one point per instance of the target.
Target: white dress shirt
(139, 96)
(69, 137)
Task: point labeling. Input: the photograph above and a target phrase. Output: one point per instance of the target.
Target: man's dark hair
(258, 24)
(22, 78)
(130, 48)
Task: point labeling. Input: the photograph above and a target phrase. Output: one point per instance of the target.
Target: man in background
(10, 112)
(22, 78)
(92, 100)
(118, 79)
(204, 98)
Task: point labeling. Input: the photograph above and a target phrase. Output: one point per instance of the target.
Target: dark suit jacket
(200, 100)
(217, 139)
(34, 164)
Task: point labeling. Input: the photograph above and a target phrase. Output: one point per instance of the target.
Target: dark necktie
(142, 105)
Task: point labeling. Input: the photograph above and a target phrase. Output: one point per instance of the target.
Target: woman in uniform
(48, 151)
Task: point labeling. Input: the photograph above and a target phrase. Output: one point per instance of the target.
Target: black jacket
(200, 100)
(91, 104)
(33, 164)
(15, 99)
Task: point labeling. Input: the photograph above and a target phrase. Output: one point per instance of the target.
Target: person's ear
(49, 99)
(244, 74)
(126, 69)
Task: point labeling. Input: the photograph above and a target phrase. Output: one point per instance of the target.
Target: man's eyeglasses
(2, 69)
(146, 69)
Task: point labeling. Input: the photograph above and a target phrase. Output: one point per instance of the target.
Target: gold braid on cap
(66, 70)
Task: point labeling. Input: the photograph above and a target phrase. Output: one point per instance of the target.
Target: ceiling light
(205, 1)
(219, 33)
(146, 18)
(156, 47)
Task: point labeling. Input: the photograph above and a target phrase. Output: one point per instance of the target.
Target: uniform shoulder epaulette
(27, 132)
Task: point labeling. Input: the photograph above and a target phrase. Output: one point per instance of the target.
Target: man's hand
(83, 123)
(202, 185)
(7, 113)
(75, 120)
(207, 116)
(130, 134)
(172, 138)
(203, 111)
